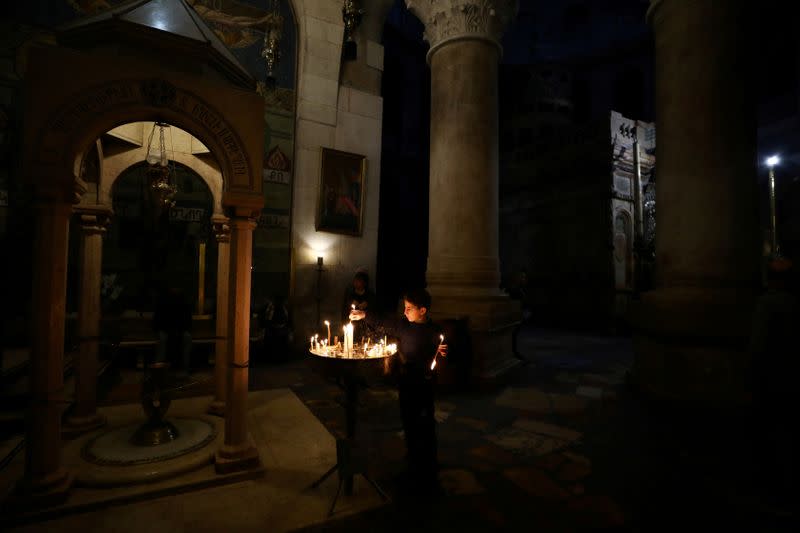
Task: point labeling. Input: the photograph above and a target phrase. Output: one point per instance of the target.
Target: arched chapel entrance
(96, 93)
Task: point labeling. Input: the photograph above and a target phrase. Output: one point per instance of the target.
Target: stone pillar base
(230, 459)
(77, 425)
(43, 492)
(691, 346)
(491, 318)
(216, 408)
(492, 357)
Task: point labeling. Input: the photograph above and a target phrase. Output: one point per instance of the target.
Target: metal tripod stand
(347, 464)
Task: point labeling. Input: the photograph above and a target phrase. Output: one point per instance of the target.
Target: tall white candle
(348, 339)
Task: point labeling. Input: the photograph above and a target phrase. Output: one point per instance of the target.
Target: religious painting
(341, 192)
(242, 26)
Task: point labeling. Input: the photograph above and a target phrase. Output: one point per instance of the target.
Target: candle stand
(351, 370)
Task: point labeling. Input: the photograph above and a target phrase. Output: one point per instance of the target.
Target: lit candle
(348, 339)
(441, 341)
(329, 331)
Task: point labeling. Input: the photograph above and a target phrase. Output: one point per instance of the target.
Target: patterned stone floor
(563, 445)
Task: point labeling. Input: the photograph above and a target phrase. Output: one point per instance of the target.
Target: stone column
(463, 271)
(692, 331)
(222, 232)
(46, 481)
(84, 417)
(238, 451)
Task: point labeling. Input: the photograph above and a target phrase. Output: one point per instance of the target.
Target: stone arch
(82, 119)
(210, 175)
(98, 92)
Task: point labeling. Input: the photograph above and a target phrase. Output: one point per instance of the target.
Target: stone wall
(336, 108)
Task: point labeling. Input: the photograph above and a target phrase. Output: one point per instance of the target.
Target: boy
(418, 343)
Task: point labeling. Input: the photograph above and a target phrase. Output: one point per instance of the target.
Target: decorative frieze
(449, 20)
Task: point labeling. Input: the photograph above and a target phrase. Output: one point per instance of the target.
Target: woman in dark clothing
(359, 296)
(419, 342)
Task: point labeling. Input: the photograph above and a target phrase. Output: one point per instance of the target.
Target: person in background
(519, 291)
(360, 297)
(274, 321)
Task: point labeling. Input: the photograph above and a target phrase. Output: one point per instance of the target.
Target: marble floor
(563, 445)
(295, 449)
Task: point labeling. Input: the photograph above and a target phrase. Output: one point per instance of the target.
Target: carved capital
(450, 20)
(222, 228)
(93, 221)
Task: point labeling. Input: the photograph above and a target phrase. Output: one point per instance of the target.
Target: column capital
(221, 227)
(242, 222)
(450, 20)
(93, 219)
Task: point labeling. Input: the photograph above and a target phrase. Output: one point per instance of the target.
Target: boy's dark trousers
(416, 391)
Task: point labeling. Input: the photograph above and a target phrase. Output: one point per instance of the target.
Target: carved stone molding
(93, 224)
(450, 20)
(93, 219)
(79, 189)
(222, 228)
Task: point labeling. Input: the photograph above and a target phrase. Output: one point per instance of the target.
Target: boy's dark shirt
(417, 343)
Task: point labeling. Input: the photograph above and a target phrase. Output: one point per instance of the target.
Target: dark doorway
(403, 224)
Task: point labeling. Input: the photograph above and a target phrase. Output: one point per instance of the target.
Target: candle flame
(433, 364)
(327, 323)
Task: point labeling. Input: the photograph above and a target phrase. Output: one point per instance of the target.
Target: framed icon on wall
(341, 192)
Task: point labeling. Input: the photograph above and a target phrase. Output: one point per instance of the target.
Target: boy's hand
(357, 314)
(442, 350)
